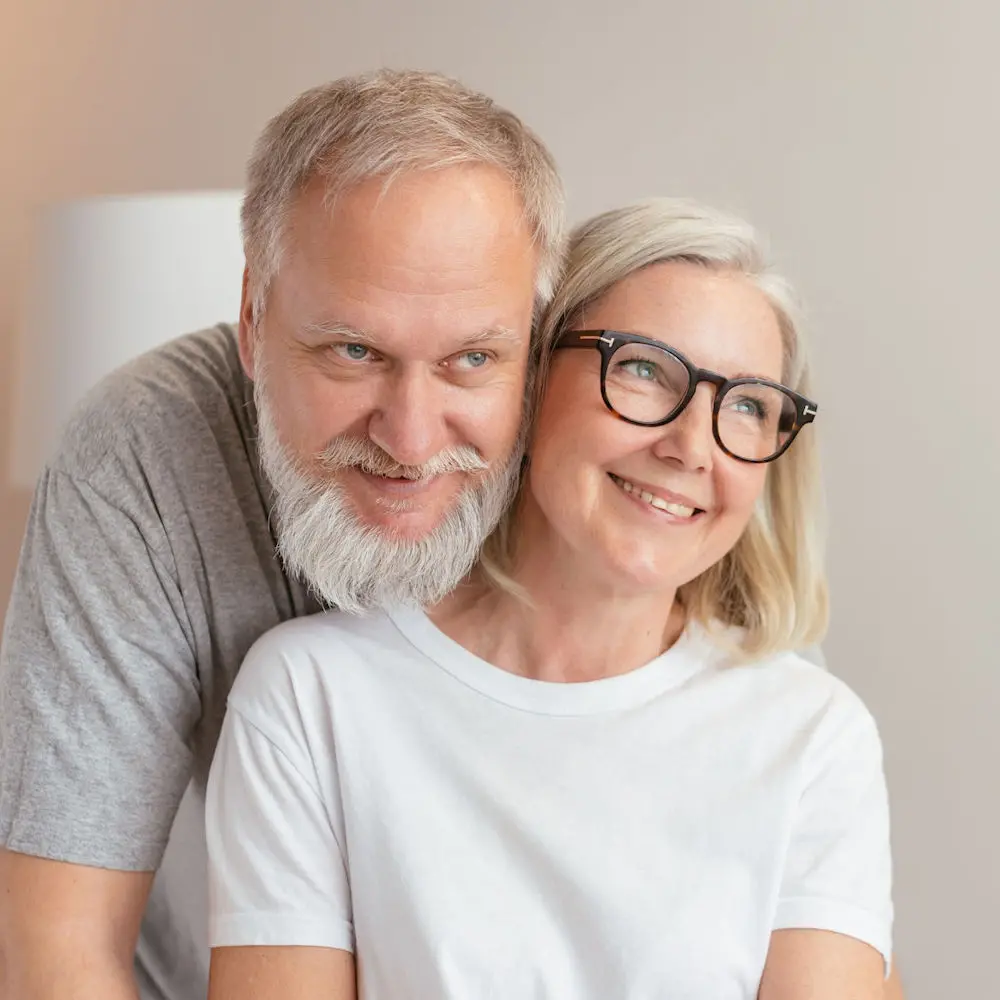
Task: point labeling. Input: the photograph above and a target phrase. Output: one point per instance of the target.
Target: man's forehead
(420, 206)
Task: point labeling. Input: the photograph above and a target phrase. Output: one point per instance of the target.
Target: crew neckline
(691, 653)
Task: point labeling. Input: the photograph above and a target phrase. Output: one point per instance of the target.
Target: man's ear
(247, 329)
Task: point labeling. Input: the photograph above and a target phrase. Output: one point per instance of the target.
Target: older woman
(598, 769)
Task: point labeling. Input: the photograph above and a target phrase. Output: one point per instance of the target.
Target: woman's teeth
(677, 509)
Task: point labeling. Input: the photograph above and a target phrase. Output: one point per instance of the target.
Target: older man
(400, 233)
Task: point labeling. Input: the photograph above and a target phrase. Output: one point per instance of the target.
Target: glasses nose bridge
(699, 375)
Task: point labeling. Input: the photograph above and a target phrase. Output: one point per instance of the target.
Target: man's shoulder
(161, 405)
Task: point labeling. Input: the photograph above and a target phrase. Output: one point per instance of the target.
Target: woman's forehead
(719, 318)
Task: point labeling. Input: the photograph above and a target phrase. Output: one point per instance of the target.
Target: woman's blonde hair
(772, 584)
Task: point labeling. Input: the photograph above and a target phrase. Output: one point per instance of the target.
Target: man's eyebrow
(492, 334)
(325, 330)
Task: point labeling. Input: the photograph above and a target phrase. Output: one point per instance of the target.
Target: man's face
(390, 365)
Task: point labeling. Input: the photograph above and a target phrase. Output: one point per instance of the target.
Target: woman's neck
(579, 626)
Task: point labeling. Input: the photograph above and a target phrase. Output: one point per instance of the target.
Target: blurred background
(863, 136)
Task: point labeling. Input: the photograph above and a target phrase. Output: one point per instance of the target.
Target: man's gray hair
(379, 125)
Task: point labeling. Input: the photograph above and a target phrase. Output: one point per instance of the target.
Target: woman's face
(592, 475)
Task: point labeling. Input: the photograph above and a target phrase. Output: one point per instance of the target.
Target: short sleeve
(99, 695)
(277, 873)
(838, 869)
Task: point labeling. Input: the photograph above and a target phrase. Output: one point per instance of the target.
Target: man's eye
(473, 359)
(352, 352)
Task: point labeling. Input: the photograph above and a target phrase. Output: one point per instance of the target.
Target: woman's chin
(639, 576)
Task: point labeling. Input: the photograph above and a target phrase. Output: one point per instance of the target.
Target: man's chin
(406, 526)
(403, 515)
(409, 508)
(389, 558)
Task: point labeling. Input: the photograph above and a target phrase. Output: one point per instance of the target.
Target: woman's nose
(688, 440)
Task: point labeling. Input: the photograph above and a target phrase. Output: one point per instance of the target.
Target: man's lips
(398, 485)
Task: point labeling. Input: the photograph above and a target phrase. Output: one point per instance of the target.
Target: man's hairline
(332, 192)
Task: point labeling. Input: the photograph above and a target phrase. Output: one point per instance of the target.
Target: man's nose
(689, 440)
(409, 420)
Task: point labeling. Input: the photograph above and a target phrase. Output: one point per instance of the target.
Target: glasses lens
(756, 421)
(644, 383)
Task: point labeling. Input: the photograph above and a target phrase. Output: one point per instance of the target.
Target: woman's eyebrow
(765, 378)
(716, 370)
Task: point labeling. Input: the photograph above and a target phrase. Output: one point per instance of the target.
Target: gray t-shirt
(148, 570)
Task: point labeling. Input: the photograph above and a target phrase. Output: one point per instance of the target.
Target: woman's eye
(352, 352)
(750, 407)
(641, 369)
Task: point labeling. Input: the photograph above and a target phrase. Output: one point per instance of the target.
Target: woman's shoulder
(791, 686)
(815, 683)
(302, 656)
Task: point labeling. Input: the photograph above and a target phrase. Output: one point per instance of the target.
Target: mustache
(363, 454)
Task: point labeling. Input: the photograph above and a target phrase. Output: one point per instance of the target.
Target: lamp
(115, 277)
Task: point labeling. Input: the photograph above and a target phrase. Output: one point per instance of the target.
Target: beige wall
(862, 134)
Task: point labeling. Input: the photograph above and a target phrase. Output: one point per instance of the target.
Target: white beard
(358, 567)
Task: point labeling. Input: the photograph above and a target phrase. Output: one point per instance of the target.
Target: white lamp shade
(115, 277)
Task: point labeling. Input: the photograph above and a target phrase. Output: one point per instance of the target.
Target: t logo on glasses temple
(591, 337)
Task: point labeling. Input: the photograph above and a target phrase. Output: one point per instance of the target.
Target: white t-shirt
(470, 833)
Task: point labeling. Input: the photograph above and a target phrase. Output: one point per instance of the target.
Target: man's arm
(68, 931)
(98, 701)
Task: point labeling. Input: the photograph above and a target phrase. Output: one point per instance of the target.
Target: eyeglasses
(649, 384)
